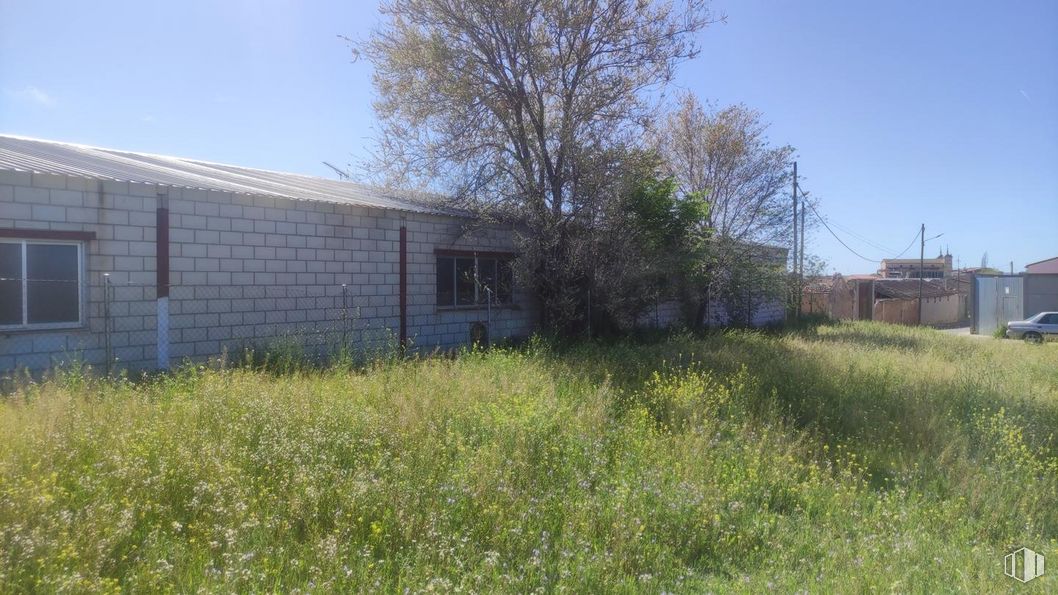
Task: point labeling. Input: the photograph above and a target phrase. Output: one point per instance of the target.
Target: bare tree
(516, 106)
(724, 155)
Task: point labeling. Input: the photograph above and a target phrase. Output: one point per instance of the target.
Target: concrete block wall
(665, 314)
(245, 269)
(766, 312)
(122, 216)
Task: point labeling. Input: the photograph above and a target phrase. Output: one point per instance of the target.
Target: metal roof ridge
(183, 172)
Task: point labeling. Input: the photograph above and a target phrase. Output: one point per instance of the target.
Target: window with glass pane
(463, 280)
(465, 286)
(10, 283)
(504, 282)
(52, 291)
(40, 284)
(446, 281)
(486, 279)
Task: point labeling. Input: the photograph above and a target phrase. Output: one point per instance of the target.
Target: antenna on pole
(342, 174)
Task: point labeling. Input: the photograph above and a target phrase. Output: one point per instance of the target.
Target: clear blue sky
(902, 112)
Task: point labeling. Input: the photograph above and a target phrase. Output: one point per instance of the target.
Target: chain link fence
(119, 326)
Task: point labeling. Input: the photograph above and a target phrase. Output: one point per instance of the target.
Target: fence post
(589, 313)
(488, 315)
(345, 316)
(107, 323)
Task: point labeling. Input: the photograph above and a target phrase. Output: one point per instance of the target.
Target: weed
(838, 458)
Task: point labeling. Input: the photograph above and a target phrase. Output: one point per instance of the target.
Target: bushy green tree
(522, 108)
(724, 156)
(652, 244)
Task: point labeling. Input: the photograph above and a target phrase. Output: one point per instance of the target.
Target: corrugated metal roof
(51, 157)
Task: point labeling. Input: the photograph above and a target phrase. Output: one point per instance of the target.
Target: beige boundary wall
(936, 310)
(244, 268)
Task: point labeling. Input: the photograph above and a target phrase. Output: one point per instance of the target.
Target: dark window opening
(40, 284)
(486, 280)
(52, 291)
(470, 280)
(504, 282)
(446, 280)
(465, 286)
(10, 284)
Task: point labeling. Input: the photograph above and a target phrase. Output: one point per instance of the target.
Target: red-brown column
(161, 267)
(403, 285)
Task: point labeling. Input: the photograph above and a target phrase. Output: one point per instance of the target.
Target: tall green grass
(840, 458)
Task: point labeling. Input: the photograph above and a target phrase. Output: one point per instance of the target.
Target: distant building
(893, 300)
(1049, 266)
(913, 268)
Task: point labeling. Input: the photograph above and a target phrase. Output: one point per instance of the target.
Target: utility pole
(921, 268)
(801, 265)
(958, 288)
(798, 311)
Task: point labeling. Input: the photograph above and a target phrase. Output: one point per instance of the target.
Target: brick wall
(245, 269)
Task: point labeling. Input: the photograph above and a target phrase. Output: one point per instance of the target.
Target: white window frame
(43, 326)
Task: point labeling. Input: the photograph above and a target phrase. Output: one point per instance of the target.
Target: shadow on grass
(895, 418)
(850, 335)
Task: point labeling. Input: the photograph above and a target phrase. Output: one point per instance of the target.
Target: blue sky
(902, 113)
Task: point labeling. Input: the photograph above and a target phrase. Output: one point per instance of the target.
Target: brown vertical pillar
(403, 285)
(162, 252)
(161, 267)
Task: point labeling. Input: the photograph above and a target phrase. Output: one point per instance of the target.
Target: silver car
(1037, 329)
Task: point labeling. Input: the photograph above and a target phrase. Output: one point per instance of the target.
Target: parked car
(1039, 328)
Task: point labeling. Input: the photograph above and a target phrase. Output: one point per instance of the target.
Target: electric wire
(842, 242)
(804, 196)
(911, 243)
(876, 246)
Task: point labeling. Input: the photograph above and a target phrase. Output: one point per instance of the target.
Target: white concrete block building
(150, 259)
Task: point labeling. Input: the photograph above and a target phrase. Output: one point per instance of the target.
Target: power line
(875, 245)
(912, 243)
(861, 238)
(847, 247)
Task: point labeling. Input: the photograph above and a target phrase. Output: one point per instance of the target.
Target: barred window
(40, 284)
(469, 280)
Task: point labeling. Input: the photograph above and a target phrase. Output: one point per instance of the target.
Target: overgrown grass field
(845, 458)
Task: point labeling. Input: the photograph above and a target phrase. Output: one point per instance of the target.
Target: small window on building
(465, 285)
(470, 280)
(40, 284)
(10, 284)
(504, 281)
(487, 280)
(446, 281)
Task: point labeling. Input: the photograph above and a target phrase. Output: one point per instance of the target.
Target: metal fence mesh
(120, 326)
